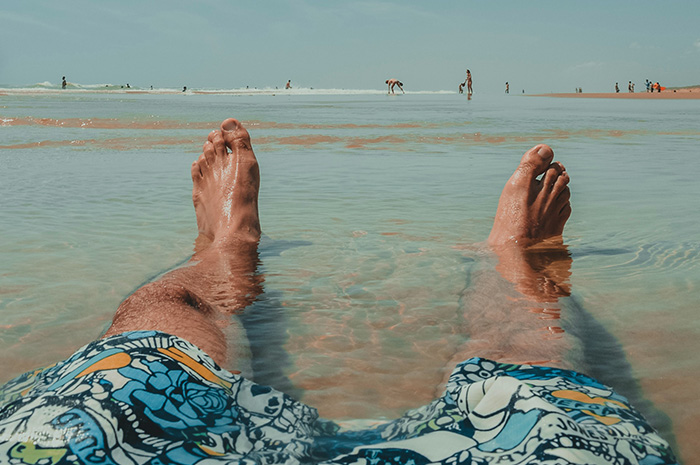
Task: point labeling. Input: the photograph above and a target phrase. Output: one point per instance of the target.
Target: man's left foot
(225, 186)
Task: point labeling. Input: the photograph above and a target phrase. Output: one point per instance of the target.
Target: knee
(164, 293)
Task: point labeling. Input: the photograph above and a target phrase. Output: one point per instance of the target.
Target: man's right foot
(532, 209)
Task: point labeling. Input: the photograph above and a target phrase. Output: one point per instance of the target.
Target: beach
(686, 93)
(374, 210)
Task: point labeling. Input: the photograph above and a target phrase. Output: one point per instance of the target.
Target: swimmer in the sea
(64, 83)
(392, 83)
(152, 389)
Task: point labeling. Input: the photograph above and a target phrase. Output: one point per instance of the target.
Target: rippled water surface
(373, 208)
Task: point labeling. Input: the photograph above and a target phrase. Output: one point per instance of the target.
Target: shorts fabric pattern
(146, 397)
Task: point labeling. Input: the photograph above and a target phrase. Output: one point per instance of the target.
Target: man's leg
(513, 314)
(196, 301)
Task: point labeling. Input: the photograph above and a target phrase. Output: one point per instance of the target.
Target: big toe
(236, 136)
(534, 163)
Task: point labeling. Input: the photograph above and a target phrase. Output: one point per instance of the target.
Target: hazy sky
(539, 46)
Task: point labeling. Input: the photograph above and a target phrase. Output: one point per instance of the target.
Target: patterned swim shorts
(151, 398)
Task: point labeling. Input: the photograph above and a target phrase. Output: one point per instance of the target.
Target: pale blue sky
(539, 46)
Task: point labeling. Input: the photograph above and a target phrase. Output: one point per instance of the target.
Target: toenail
(229, 125)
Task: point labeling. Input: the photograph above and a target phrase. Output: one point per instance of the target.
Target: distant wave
(47, 86)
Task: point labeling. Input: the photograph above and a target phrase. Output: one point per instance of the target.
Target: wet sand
(688, 93)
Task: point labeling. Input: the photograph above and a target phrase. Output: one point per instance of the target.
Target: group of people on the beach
(392, 83)
(650, 87)
(653, 86)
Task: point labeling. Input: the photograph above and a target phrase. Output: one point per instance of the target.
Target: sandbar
(677, 93)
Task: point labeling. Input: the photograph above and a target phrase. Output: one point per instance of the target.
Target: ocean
(374, 209)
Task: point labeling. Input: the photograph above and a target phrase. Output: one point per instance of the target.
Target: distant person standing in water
(394, 82)
(289, 84)
(469, 82)
(64, 83)
(461, 86)
(617, 88)
(184, 89)
(507, 88)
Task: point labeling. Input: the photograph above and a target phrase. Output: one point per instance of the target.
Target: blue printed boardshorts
(151, 398)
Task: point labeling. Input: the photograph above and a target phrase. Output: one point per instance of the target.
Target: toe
(219, 145)
(534, 162)
(558, 195)
(196, 171)
(560, 184)
(564, 214)
(551, 176)
(564, 196)
(209, 152)
(237, 138)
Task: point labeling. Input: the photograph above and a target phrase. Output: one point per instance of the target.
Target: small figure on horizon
(184, 89)
(289, 84)
(507, 88)
(461, 86)
(647, 83)
(469, 82)
(658, 86)
(617, 88)
(64, 83)
(128, 86)
(394, 82)
(630, 87)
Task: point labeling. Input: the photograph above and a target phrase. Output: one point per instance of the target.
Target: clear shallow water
(370, 207)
